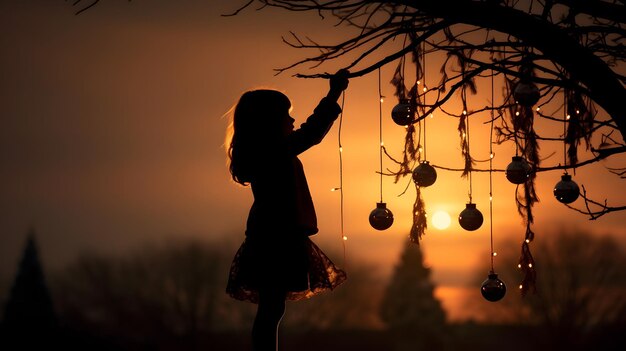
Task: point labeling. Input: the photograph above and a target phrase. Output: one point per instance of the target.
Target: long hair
(256, 127)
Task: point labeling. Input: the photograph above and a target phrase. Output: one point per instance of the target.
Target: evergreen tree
(409, 309)
(29, 317)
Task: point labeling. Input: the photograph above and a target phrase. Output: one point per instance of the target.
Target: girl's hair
(256, 126)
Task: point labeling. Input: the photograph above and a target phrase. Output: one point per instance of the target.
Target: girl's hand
(338, 83)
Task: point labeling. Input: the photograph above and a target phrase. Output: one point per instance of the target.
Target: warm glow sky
(112, 136)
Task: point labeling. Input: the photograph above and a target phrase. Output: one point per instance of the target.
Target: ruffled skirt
(295, 265)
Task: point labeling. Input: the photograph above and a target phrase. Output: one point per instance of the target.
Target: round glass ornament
(424, 174)
(566, 190)
(381, 217)
(526, 93)
(470, 218)
(493, 289)
(518, 171)
(403, 113)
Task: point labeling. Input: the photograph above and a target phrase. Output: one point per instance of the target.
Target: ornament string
(467, 136)
(380, 133)
(565, 118)
(424, 126)
(491, 155)
(424, 98)
(468, 152)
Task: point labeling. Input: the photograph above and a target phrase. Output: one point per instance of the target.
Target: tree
(564, 53)
(30, 320)
(409, 309)
(571, 44)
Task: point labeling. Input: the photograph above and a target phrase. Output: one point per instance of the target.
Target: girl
(277, 261)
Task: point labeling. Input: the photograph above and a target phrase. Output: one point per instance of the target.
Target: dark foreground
(465, 337)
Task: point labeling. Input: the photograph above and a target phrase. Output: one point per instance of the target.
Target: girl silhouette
(277, 261)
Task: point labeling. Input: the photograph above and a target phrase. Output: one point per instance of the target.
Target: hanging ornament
(526, 93)
(566, 190)
(470, 218)
(493, 289)
(402, 114)
(518, 171)
(424, 175)
(381, 217)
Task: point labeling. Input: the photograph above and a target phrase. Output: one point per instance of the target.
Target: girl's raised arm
(318, 124)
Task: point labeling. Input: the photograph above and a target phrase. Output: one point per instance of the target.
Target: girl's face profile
(287, 123)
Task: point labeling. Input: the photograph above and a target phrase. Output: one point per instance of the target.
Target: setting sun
(441, 220)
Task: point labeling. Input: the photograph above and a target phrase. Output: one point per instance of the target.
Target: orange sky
(112, 136)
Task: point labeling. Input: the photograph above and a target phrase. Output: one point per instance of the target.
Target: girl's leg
(269, 313)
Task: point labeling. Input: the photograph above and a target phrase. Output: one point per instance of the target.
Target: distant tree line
(156, 295)
(171, 296)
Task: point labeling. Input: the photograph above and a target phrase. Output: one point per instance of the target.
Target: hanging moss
(522, 120)
(418, 229)
(579, 125)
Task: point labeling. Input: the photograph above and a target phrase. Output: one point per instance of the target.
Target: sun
(441, 220)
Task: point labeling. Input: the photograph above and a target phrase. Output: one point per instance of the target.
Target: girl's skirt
(294, 265)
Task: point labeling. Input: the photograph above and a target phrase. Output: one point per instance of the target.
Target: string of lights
(344, 238)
